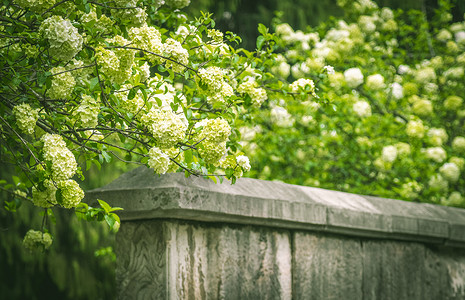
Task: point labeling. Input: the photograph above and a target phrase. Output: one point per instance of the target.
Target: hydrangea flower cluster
(147, 38)
(45, 198)
(362, 108)
(213, 78)
(450, 171)
(36, 5)
(437, 154)
(214, 130)
(165, 126)
(87, 112)
(301, 84)
(26, 117)
(64, 39)
(250, 87)
(102, 24)
(174, 50)
(63, 84)
(37, 240)
(212, 152)
(415, 128)
(375, 82)
(71, 193)
(353, 77)
(159, 160)
(63, 163)
(132, 15)
(221, 97)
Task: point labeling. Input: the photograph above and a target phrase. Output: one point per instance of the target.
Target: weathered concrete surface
(257, 202)
(178, 260)
(326, 267)
(193, 239)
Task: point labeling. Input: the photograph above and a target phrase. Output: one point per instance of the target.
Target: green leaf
(106, 156)
(104, 205)
(132, 93)
(110, 220)
(94, 83)
(260, 41)
(262, 29)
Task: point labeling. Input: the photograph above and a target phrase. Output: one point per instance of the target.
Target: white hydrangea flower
(71, 193)
(458, 144)
(438, 154)
(249, 86)
(403, 69)
(302, 84)
(64, 39)
(353, 77)
(243, 162)
(159, 160)
(147, 38)
(415, 129)
(389, 153)
(425, 75)
(281, 117)
(87, 112)
(422, 107)
(397, 90)
(212, 152)
(212, 77)
(453, 102)
(437, 136)
(165, 126)
(362, 108)
(174, 50)
(450, 171)
(26, 117)
(214, 130)
(62, 84)
(63, 162)
(460, 37)
(444, 35)
(375, 82)
(438, 183)
(34, 240)
(45, 198)
(329, 69)
(403, 148)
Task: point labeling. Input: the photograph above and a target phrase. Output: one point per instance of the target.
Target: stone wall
(188, 238)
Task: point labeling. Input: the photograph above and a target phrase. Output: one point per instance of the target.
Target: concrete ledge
(144, 195)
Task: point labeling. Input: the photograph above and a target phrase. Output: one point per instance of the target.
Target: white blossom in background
(397, 90)
(362, 108)
(458, 144)
(437, 154)
(375, 82)
(389, 153)
(353, 77)
(438, 183)
(450, 171)
(415, 129)
(281, 117)
(437, 136)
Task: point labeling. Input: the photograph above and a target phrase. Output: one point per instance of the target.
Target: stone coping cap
(145, 195)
